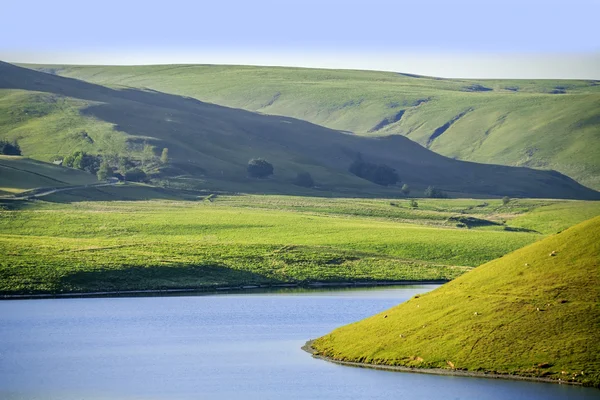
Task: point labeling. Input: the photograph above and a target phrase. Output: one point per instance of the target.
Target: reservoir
(223, 346)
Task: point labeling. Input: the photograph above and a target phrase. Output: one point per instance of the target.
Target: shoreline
(434, 371)
(217, 289)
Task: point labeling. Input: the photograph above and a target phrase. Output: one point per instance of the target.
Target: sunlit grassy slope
(18, 174)
(548, 124)
(66, 245)
(210, 145)
(534, 312)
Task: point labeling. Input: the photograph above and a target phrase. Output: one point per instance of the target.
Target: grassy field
(210, 145)
(59, 246)
(548, 124)
(533, 312)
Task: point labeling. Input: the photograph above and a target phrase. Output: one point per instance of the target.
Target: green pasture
(62, 245)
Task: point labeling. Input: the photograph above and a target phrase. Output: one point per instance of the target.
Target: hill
(546, 124)
(534, 312)
(210, 145)
(18, 174)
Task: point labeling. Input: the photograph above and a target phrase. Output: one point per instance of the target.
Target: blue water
(214, 347)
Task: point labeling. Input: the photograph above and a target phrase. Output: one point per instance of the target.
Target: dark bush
(505, 200)
(380, 174)
(434, 193)
(135, 175)
(9, 149)
(259, 168)
(304, 179)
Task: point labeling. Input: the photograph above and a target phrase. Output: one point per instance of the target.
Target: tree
(78, 160)
(164, 156)
(10, 149)
(505, 200)
(147, 154)
(304, 179)
(380, 174)
(259, 168)
(104, 172)
(357, 166)
(434, 193)
(405, 189)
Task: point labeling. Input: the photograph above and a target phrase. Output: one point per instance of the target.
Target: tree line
(112, 165)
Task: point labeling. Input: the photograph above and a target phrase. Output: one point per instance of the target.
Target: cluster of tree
(9, 148)
(128, 172)
(434, 193)
(83, 161)
(114, 165)
(380, 174)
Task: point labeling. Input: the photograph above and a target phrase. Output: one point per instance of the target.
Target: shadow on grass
(160, 278)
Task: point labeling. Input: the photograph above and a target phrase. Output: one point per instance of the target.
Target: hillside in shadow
(219, 141)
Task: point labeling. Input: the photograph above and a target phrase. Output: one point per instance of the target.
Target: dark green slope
(216, 142)
(18, 174)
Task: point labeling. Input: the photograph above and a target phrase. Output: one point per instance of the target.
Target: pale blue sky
(462, 38)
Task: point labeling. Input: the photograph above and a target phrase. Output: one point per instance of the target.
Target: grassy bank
(532, 313)
(54, 246)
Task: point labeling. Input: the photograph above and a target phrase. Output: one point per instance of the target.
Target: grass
(209, 145)
(19, 174)
(50, 126)
(59, 246)
(517, 122)
(533, 313)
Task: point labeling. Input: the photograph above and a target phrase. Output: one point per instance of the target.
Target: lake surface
(226, 346)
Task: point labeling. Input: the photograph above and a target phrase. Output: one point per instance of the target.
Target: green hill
(18, 174)
(534, 312)
(546, 124)
(209, 145)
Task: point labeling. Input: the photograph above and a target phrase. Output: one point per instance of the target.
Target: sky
(453, 38)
